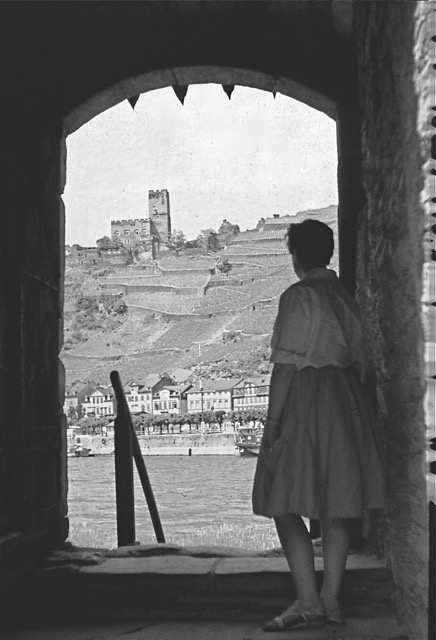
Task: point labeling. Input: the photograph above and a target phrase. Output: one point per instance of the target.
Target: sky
(241, 159)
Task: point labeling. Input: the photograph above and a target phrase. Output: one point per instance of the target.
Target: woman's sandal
(296, 617)
(336, 621)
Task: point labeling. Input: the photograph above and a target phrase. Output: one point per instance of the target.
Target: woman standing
(319, 457)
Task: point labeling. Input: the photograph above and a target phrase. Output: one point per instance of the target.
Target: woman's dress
(325, 462)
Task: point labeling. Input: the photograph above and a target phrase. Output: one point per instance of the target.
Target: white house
(171, 399)
(99, 403)
(139, 397)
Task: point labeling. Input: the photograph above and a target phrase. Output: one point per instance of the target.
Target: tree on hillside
(191, 244)
(176, 240)
(213, 243)
(225, 266)
(104, 243)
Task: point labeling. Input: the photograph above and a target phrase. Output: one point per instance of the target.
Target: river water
(201, 500)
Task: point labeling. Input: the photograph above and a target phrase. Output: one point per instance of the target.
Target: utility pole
(201, 400)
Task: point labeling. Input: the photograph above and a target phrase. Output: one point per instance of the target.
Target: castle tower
(159, 213)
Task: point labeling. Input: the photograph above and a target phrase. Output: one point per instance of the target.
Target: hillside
(179, 311)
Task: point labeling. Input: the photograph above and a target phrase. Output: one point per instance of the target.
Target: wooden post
(129, 446)
(123, 471)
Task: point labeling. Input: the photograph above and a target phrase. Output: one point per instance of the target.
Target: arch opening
(185, 76)
(257, 309)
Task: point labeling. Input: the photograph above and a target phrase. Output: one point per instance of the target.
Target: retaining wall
(170, 444)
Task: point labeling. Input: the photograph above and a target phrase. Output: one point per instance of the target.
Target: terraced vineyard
(180, 311)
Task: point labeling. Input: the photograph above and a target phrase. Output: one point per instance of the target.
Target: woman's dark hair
(312, 241)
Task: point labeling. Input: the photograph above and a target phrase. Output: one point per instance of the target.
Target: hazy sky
(237, 159)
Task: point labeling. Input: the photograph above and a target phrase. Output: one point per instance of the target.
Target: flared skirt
(326, 461)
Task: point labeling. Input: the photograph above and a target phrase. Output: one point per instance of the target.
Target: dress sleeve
(290, 339)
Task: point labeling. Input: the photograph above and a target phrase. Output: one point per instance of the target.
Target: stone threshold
(93, 585)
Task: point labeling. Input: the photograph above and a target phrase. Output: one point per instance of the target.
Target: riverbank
(183, 444)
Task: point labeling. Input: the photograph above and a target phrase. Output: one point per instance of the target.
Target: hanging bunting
(133, 100)
(228, 89)
(181, 90)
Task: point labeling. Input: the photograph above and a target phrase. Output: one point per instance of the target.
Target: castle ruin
(155, 229)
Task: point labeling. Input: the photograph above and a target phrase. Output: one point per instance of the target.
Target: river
(201, 500)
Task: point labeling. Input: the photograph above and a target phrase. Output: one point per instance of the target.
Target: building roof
(105, 391)
(180, 375)
(149, 382)
(259, 381)
(222, 384)
(179, 388)
(79, 389)
(141, 387)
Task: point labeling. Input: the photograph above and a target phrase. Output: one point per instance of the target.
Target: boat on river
(79, 451)
(248, 441)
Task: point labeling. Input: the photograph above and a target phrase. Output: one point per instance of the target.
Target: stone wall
(169, 445)
(393, 88)
(32, 442)
(129, 232)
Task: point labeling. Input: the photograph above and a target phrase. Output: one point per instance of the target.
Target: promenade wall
(169, 444)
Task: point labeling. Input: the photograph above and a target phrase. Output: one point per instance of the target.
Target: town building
(75, 396)
(138, 397)
(251, 393)
(139, 393)
(101, 402)
(171, 399)
(212, 395)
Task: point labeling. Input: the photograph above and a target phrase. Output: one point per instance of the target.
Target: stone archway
(66, 53)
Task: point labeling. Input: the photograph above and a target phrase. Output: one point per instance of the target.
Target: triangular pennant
(133, 100)
(181, 90)
(228, 89)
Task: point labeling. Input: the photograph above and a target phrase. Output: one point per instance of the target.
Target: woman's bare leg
(297, 547)
(335, 542)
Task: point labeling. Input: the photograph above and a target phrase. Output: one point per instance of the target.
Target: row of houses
(161, 394)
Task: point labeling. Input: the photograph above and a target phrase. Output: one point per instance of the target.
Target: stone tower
(159, 213)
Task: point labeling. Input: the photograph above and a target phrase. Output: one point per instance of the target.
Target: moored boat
(248, 441)
(78, 451)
